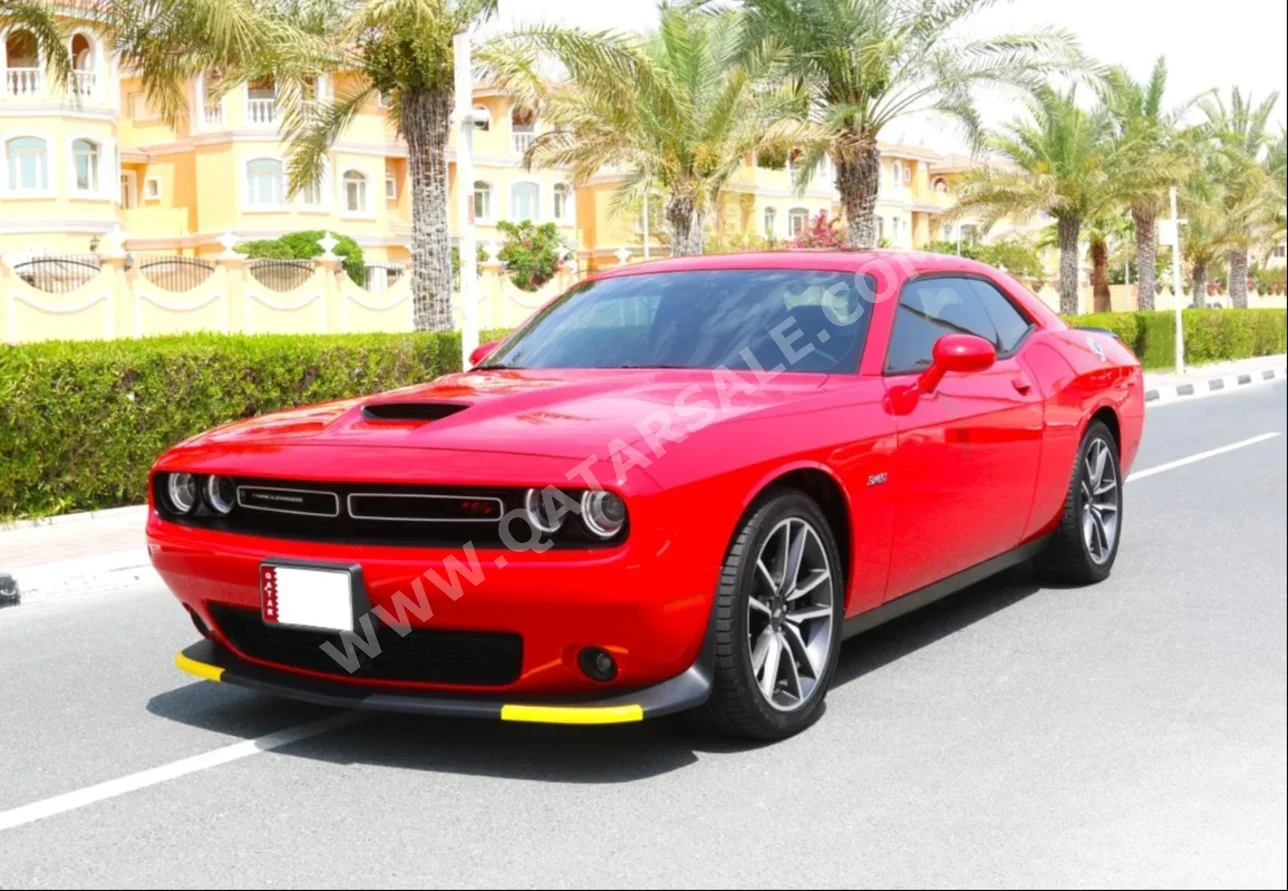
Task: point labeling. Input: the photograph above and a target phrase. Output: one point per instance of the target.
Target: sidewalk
(1202, 380)
(75, 553)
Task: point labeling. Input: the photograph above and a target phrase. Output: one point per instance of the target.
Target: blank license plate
(305, 597)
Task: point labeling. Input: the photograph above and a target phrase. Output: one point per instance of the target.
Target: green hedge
(81, 423)
(1211, 335)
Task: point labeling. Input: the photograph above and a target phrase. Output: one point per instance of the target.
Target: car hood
(560, 413)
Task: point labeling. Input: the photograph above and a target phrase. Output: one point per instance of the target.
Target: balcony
(28, 82)
(261, 112)
(85, 83)
(214, 115)
(521, 141)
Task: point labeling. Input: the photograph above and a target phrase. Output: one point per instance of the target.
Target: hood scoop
(414, 412)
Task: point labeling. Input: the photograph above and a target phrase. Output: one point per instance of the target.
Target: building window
(391, 187)
(797, 221)
(152, 188)
(85, 160)
(907, 174)
(261, 100)
(355, 192)
(311, 195)
(563, 201)
(264, 183)
(896, 230)
(880, 229)
(482, 201)
(482, 118)
(525, 202)
(771, 222)
(896, 173)
(24, 74)
(940, 184)
(84, 78)
(28, 163)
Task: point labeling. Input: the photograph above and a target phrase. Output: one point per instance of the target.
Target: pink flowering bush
(823, 231)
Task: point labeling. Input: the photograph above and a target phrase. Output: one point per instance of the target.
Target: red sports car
(678, 486)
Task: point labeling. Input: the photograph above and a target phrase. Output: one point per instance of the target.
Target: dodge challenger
(677, 487)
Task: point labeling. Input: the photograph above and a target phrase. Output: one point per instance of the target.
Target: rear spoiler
(1112, 334)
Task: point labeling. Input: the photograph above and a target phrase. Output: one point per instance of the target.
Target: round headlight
(535, 507)
(221, 495)
(603, 513)
(181, 490)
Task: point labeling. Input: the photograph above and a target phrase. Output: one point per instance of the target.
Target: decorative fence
(47, 298)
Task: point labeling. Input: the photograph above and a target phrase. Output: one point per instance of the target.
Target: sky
(1212, 44)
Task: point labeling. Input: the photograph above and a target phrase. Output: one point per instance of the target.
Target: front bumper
(211, 661)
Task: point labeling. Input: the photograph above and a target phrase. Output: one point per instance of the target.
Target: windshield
(792, 319)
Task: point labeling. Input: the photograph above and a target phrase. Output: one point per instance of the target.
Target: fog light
(221, 495)
(181, 491)
(603, 513)
(597, 664)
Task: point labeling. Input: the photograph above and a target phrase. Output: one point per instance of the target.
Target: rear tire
(779, 606)
(1085, 544)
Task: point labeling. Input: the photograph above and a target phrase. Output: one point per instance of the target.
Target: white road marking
(1201, 456)
(70, 801)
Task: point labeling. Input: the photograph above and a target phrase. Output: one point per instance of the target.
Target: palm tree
(673, 108)
(1061, 160)
(397, 51)
(1240, 138)
(1104, 230)
(1149, 132)
(864, 64)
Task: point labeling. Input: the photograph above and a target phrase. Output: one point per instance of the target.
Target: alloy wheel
(1100, 502)
(790, 615)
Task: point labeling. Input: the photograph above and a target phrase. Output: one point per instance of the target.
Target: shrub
(81, 422)
(1211, 335)
(823, 231)
(531, 253)
(304, 246)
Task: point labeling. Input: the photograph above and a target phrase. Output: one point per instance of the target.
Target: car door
(967, 457)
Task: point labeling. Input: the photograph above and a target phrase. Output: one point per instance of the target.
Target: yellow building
(72, 172)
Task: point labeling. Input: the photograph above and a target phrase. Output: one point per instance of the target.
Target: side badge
(1096, 347)
(877, 479)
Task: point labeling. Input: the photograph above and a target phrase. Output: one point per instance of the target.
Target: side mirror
(482, 351)
(962, 353)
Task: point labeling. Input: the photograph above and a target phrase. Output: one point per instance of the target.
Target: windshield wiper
(647, 365)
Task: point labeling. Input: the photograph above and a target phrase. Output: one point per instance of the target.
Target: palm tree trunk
(426, 125)
(1100, 275)
(1067, 230)
(1200, 277)
(1239, 278)
(685, 222)
(1146, 256)
(858, 178)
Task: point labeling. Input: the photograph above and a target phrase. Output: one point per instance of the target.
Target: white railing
(521, 141)
(84, 82)
(24, 81)
(214, 116)
(261, 111)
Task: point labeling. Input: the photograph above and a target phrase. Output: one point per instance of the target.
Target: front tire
(1085, 545)
(778, 613)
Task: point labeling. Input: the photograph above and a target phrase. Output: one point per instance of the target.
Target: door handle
(1021, 385)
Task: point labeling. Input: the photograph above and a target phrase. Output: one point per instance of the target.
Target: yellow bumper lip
(552, 714)
(199, 669)
(532, 714)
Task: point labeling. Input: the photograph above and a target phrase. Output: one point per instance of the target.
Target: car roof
(911, 262)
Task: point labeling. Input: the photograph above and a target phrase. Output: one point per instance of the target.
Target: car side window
(929, 309)
(1010, 323)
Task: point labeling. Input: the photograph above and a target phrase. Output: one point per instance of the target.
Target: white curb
(1210, 386)
(90, 575)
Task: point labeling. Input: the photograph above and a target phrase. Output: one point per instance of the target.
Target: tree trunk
(858, 178)
(1067, 230)
(426, 125)
(1146, 256)
(1199, 275)
(685, 222)
(1239, 278)
(1100, 276)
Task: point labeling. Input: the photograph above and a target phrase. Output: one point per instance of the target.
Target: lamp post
(467, 241)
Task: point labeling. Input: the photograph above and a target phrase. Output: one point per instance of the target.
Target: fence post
(493, 291)
(6, 320)
(113, 278)
(332, 297)
(232, 267)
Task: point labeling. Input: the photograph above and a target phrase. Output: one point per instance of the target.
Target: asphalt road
(1128, 734)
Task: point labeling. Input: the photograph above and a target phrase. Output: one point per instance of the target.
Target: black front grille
(432, 656)
(367, 513)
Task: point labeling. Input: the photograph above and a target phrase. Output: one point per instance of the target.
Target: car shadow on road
(541, 753)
